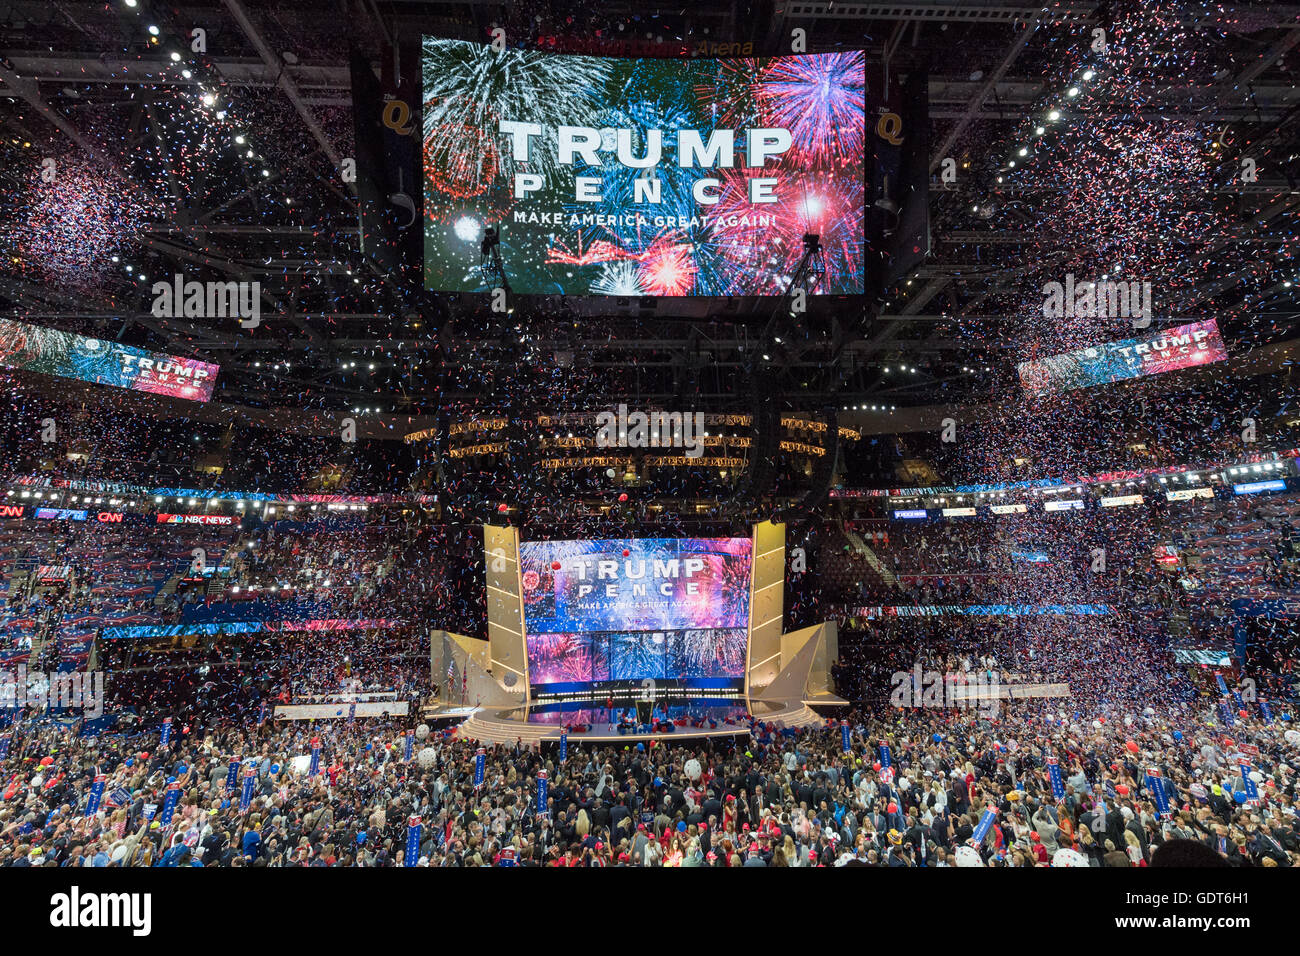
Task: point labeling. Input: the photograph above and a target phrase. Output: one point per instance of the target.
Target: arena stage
(691, 719)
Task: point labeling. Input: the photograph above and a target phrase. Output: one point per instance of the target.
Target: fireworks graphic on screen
(471, 87)
(637, 656)
(667, 267)
(559, 658)
(460, 159)
(728, 91)
(820, 100)
(828, 206)
(619, 278)
(707, 653)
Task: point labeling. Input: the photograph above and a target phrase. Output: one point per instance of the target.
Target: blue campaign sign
(1054, 774)
(541, 793)
(169, 803)
(96, 794)
(845, 742)
(986, 821)
(480, 762)
(414, 828)
(232, 775)
(1156, 784)
(410, 745)
(166, 732)
(564, 746)
(246, 794)
(1252, 791)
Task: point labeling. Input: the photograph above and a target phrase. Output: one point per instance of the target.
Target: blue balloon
(130, 761)
(1239, 796)
(275, 768)
(1178, 735)
(361, 837)
(937, 738)
(681, 824)
(369, 746)
(171, 779)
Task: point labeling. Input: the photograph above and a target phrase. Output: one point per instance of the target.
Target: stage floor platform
(544, 722)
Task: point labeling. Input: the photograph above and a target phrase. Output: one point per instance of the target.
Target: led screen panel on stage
(622, 611)
(644, 584)
(632, 656)
(632, 177)
(1182, 347)
(69, 355)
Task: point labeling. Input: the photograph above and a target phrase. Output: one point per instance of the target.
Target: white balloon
(421, 732)
(693, 769)
(966, 856)
(1067, 857)
(1292, 737)
(427, 756)
(1256, 776)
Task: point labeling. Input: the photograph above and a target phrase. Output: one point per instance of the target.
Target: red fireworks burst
(667, 267)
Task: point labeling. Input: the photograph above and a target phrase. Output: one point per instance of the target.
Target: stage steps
(860, 546)
(490, 728)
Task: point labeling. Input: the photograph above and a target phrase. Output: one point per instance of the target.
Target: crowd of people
(914, 788)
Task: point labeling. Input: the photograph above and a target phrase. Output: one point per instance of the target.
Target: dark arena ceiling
(224, 164)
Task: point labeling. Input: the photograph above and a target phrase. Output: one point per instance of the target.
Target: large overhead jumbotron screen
(631, 177)
(68, 355)
(1185, 346)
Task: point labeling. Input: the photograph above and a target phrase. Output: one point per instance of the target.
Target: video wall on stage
(668, 609)
(632, 177)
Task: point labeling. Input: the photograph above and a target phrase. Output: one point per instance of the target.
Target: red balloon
(555, 565)
(46, 761)
(623, 497)
(503, 508)
(876, 765)
(1122, 790)
(626, 552)
(1132, 746)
